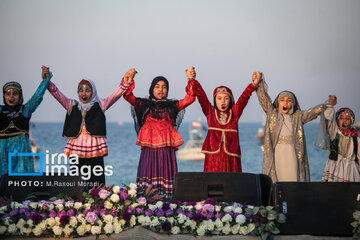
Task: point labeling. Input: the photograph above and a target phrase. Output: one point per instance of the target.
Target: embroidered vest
(15, 124)
(94, 120)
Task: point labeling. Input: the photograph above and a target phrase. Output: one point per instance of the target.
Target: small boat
(192, 149)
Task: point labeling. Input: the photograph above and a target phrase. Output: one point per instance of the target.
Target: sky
(310, 47)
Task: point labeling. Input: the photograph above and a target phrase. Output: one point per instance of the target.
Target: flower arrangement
(112, 209)
(356, 224)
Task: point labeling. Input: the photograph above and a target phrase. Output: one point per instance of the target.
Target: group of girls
(158, 117)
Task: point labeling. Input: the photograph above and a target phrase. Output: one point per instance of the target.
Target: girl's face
(222, 101)
(12, 97)
(285, 104)
(160, 90)
(344, 121)
(84, 94)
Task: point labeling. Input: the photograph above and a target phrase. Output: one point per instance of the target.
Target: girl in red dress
(221, 146)
(157, 119)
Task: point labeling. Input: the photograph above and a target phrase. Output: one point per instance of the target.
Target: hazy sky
(311, 47)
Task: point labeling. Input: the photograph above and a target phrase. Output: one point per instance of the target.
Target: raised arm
(37, 98)
(190, 95)
(264, 99)
(59, 96)
(127, 80)
(245, 96)
(312, 113)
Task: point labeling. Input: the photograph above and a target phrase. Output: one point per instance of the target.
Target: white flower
(87, 205)
(116, 189)
(228, 208)
(51, 206)
(243, 230)
(122, 222)
(109, 228)
(171, 220)
(108, 204)
(173, 206)
(132, 192)
(181, 218)
(59, 207)
(33, 204)
(132, 221)
(117, 228)
(217, 208)
(188, 222)
(154, 222)
(175, 230)
(81, 230)
(235, 229)
(162, 219)
(199, 205)
(141, 219)
(159, 204)
(12, 228)
(78, 205)
(251, 227)
(133, 186)
(81, 218)
(218, 223)
(95, 230)
(73, 221)
(57, 220)
(50, 222)
(2, 230)
(152, 207)
(115, 198)
(134, 205)
(30, 223)
(43, 225)
(226, 229)
(25, 231)
(238, 210)
(20, 223)
(210, 225)
(7, 221)
(57, 230)
(147, 221)
(88, 227)
(250, 206)
(200, 231)
(226, 218)
(240, 219)
(193, 225)
(108, 218)
(68, 230)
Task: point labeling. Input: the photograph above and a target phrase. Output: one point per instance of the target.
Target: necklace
(223, 117)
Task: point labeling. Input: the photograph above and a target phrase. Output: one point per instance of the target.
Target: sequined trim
(222, 121)
(285, 140)
(223, 139)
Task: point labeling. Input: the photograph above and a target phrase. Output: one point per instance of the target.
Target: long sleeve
(189, 97)
(203, 100)
(264, 99)
(114, 96)
(59, 96)
(129, 96)
(37, 98)
(312, 113)
(243, 100)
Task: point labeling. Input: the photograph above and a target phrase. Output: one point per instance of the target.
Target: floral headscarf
(94, 96)
(350, 130)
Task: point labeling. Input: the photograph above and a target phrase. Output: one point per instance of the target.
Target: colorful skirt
(157, 168)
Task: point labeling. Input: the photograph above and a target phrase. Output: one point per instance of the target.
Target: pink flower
(91, 217)
(70, 213)
(104, 193)
(45, 207)
(141, 201)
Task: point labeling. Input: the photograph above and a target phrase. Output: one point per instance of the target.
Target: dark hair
(230, 103)
(154, 82)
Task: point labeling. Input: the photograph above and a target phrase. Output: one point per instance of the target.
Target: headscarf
(226, 90)
(94, 96)
(157, 108)
(295, 104)
(154, 82)
(11, 110)
(350, 130)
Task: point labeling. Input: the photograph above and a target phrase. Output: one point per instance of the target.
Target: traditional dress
(285, 155)
(85, 126)
(14, 129)
(156, 122)
(344, 153)
(221, 146)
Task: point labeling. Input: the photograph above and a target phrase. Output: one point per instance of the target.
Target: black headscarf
(157, 108)
(11, 110)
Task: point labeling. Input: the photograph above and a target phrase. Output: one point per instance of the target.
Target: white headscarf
(94, 96)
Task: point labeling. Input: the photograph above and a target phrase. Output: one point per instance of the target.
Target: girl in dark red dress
(221, 146)
(157, 119)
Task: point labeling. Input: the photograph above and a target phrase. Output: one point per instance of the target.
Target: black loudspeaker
(244, 188)
(317, 208)
(41, 187)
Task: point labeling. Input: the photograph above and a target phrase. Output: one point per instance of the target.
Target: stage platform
(140, 233)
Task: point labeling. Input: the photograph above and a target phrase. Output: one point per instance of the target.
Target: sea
(124, 153)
